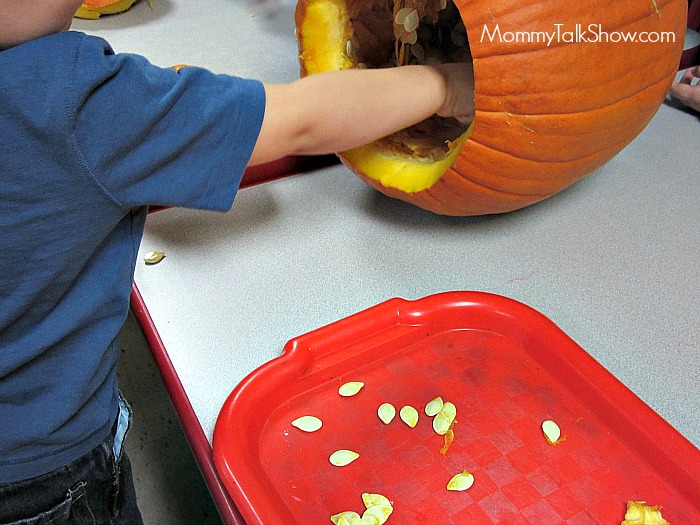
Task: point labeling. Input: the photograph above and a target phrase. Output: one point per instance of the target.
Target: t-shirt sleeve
(151, 135)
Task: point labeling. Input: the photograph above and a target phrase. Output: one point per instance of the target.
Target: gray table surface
(613, 260)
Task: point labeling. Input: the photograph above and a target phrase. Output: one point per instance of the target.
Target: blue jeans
(97, 489)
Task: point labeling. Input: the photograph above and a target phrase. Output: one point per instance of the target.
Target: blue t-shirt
(88, 139)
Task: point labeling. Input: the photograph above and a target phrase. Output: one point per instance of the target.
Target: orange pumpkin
(93, 9)
(548, 112)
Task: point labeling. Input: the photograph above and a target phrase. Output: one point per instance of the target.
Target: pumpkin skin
(93, 9)
(545, 116)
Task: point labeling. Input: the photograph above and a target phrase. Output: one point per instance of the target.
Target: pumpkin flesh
(546, 115)
(93, 9)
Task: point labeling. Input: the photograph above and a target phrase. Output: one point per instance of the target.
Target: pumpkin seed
(443, 4)
(153, 257)
(307, 423)
(386, 413)
(378, 508)
(371, 500)
(461, 481)
(354, 521)
(443, 420)
(434, 406)
(341, 458)
(411, 22)
(409, 415)
(346, 515)
(351, 388)
(377, 514)
(418, 52)
(410, 38)
(441, 424)
(449, 409)
(551, 432)
(401, 15)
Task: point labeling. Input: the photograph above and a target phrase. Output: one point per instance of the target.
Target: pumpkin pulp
(347, 34)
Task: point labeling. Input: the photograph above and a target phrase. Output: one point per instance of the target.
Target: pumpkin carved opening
(388, 33)
(346, 34)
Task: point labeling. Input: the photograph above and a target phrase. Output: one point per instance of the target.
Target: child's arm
(340, 110)
(687, 93)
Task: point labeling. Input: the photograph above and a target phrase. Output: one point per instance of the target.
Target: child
(88, 139)
(687, 92)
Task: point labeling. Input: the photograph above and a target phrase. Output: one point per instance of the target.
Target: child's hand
(686, 91)
(459, 102)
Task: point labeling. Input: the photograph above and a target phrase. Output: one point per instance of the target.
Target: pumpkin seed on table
(409, 415)
(153, 257)
(341, 458)
(307, 423)
(386, 413)
(461, 481)
(351, 388)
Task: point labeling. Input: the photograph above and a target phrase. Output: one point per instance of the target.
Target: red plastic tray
(506, 367)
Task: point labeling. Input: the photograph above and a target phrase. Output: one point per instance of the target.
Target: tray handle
(350, 337)
(395, 323)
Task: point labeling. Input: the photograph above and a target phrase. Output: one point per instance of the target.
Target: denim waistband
(121, 426)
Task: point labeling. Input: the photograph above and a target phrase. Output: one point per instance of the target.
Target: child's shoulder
(72, 59)
(47, 56)
(54, 45)
(54, 75)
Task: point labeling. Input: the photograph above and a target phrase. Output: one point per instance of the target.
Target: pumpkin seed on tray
(307, 423)
(386, 412)
(409, 415)
(351, 388)
(341, 458)
(460, 482)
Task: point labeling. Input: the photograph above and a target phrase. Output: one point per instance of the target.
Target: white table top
(614, 260)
